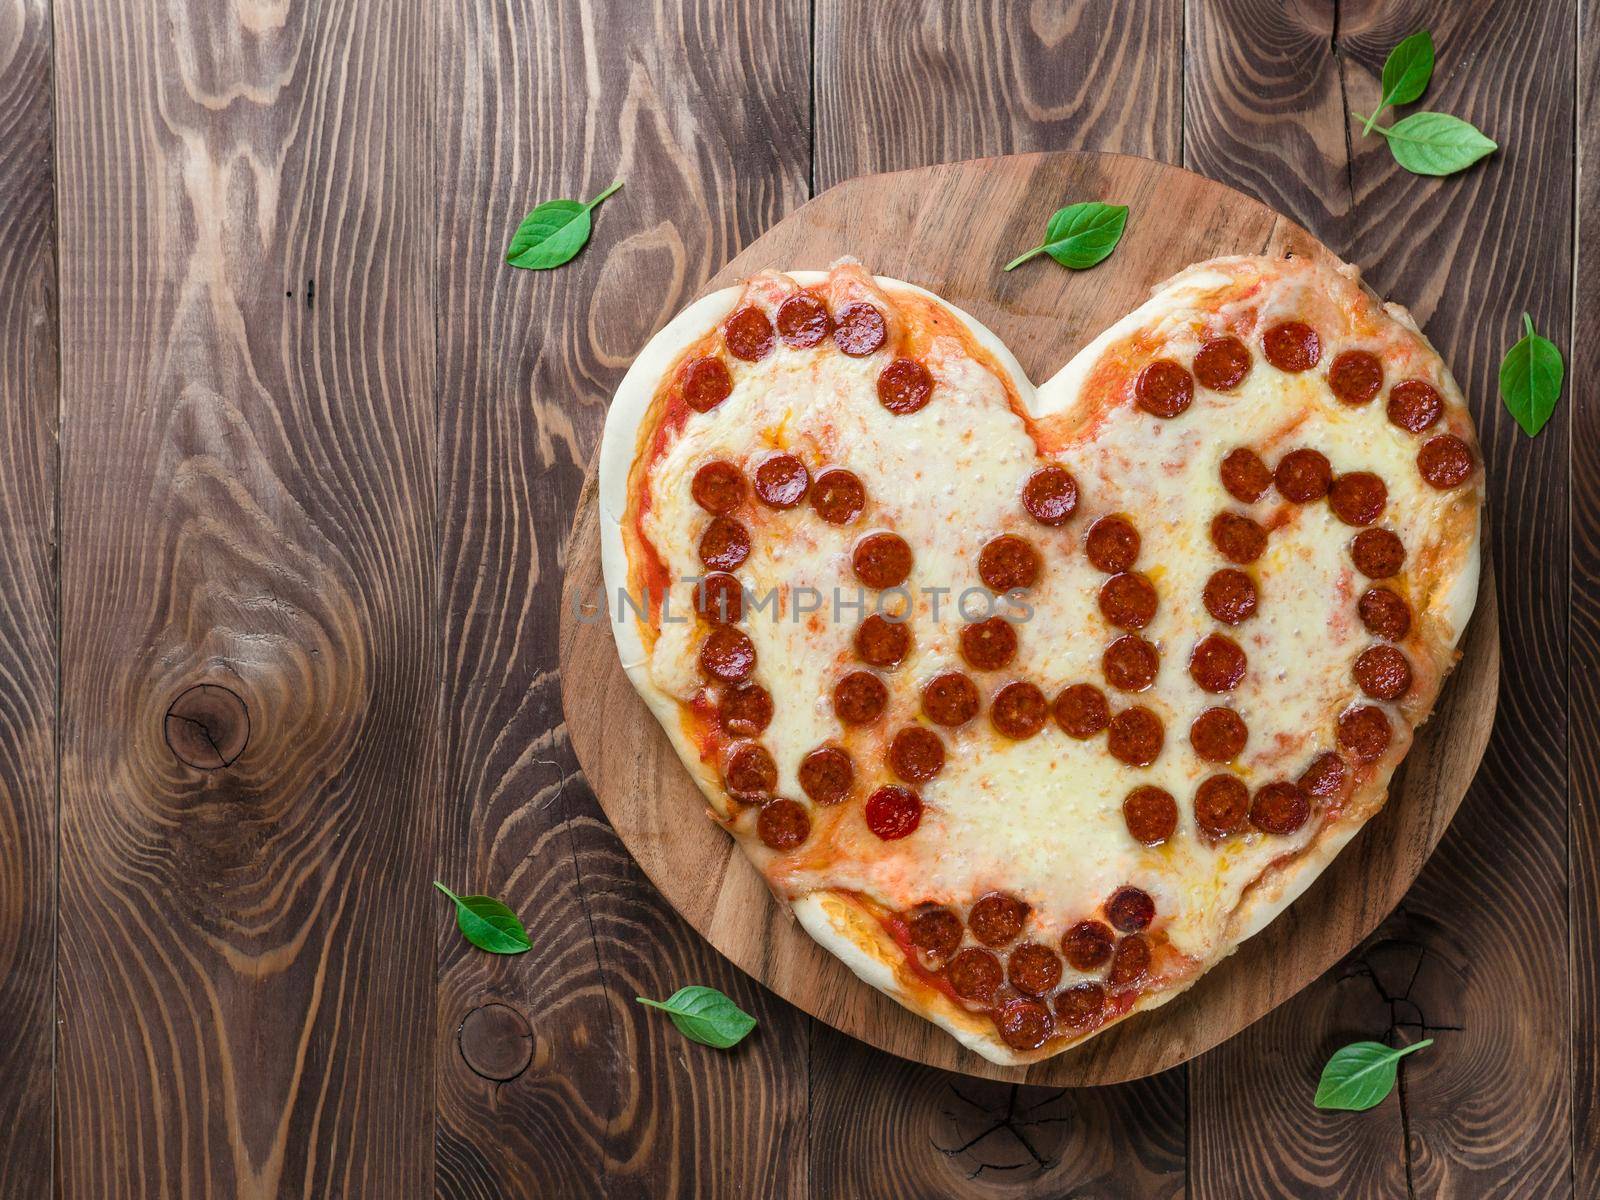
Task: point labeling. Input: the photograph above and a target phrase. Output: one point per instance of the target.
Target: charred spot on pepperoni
(1414, 405)
(1217, 664)
(1130, 663)
(724, 545)
(1130, 964)
(718, 487)
(1280, 808)
(1230, 596)
(859, 330)
(719, 598)
(893, 812)
(706, 383)
(1218, 735)
(1222, 363)
(860, 697)
(936, 931)
(1237, 538)
(1128, 600)
(973, 974)
(1112, 545)
(1378, 553)
(1163, 388)
(782, 480)
(1244, 475)
(1050, 495)
(1135, 736)
(1130, 909)
(1018, 710)
(783, 824)
(1382, 672)
(749, 770)
(1081, 1006)
(882, 560)
(916, 754)
(1292, 346)
(950, 699)
(990, 644)
(826, 775)
(1034, 969)
(1325, 776)
(1007, 563)
(744, 711)
(1151, 815)
(1303, 475)
(727, 655)
(748, 334)
(1088, 945)
(1384, 613)
(1358, 498)
(1355, 376)
(1025, 1024)
(996, 919)
(1221, 805)
(1364, 732)
(1081, 710)
(882, 642)
(904, 386)
(838, 497)
(1445, 462)
(803, 321)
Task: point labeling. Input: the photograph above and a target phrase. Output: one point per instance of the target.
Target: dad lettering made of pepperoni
(1034, 703)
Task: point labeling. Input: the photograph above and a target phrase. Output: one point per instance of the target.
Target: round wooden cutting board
(950, 228)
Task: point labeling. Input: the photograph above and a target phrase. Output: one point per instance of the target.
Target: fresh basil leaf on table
(705, 1015)
(487, 923)
(1360, 1075)
(1530, 379)
(553, 233)
(1406, 73)
(1080, 235)
(1431, 143)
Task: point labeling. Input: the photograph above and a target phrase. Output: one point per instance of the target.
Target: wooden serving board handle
(950, 228)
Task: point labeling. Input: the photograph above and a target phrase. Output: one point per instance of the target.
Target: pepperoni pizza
(1032, 704)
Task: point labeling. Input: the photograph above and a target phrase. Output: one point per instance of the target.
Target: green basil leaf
(705, 1015)
(1530, 379)
(1430, 143)
(553, 233)
(488, 924)
(1406, 73)
(1361, 1074)
(1080, 235)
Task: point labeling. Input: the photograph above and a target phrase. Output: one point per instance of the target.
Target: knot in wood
(207, 727)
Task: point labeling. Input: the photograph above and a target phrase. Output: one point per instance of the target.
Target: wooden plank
(28, 398)
(247, 509)
(568, 1087)
(1469, 957)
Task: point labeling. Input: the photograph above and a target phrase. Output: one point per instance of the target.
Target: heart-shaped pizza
(1033, 704)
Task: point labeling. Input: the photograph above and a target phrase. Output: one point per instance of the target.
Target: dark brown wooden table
(287, 457)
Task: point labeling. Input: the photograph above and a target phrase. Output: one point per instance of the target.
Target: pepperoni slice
(1081, 710)
(1128, 600)
(1303, 476)
(1088, 945)
(748, 334)
(1025, 1024)
(1130, 663)
(1445, 461)
(904, 386)
(1007, 563)
(1135, 736)
(1358, 498)
(950, 699)
(1050, 495)
(859, 697)
(990, 644)
(718, 487)
(782, 480)
(803, 321)
(1163, 389)
(974, 974)
(1280, 808)
(727, 655)
(1355, 376)
(882, 560)
(838, 497)
(916, 754)
(882, 642)
(719, 598)
(744, 711)
(1325, 776)
(1081, 1006)
(1245, 476)
(1034, 969)
(1221, 804)
(1218, 735)
(1414, 405)
(1131, 964)
(724, 545)
(1130, 909)
(996, 919)
(1018, 710)
(826, 775)
(1382, 672)
(1112, 545)
(1238, 538)
(750, 771)
(859, 330)
(783, 824)
(706, 383)
(1384, 613)
(893, 812)
(1217, 664)
(1150, 814)
(1378, 553)
(1230, 596)
(1222, 363)
(1292, 346)
(1364, 732)
(936, 931)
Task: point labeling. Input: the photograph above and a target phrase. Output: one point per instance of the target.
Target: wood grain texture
(1269, 95)
(247, 501)
(28, 396)
(702, 110)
